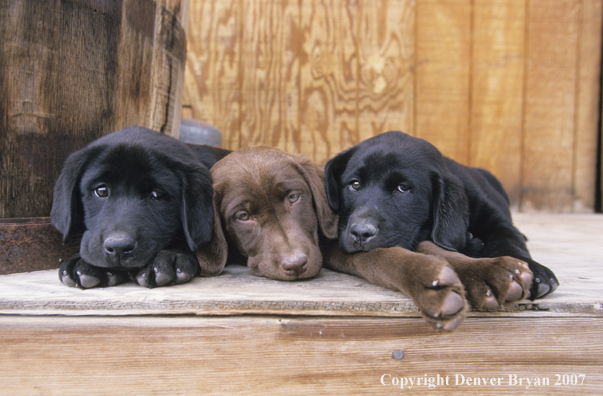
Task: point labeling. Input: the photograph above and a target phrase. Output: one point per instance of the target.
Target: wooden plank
(443, 69)
(295, 356)
(329, 78)
(568, 244)
(237, 292)
(550, 105)
(213, 69)
(587, 106)
(497, 90)
(386, 51)
(270, 79)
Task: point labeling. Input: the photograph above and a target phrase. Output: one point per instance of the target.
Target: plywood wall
(509, 85)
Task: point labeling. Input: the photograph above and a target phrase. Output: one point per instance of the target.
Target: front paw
(75, 272)
(545, 281)
(491, 283)
(440, 296)
(170, 267)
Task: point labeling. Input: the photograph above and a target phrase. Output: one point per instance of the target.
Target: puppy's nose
(294, 265)
(119, 244)
(363, 231)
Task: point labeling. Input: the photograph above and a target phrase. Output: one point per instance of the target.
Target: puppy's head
(395, 190)
(271, 206)
(136, 192)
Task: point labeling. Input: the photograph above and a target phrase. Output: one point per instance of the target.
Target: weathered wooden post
(70, 72)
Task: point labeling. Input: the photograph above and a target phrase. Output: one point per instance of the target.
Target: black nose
(295, 264)
(362, 232)
(119, 244)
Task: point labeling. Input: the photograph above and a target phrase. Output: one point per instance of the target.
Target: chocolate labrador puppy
(144, 202)
(274, 211)
(397, 190)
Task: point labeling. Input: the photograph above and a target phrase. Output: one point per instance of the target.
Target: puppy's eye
(242, 216)
(355, 185)
(155, 195)
(101, 192)
(293, 198)
(403, 188)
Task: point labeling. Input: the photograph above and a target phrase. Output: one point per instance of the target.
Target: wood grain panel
(71, 72)
(587, 106)
(213, 70)
(497, 90)
(550, 104)
(508, 85)
(270, 78)
(329, 78)
(293, 356)
(443, 67)
(386, 51)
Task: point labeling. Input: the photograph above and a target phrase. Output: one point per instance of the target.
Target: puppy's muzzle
(362, 231)
(118, 247)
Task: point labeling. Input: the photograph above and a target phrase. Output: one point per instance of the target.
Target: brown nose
(295, 264)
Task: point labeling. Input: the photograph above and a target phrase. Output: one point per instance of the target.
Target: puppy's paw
(492, 283)
(170, 267)
(75, 272)
(545, 281)
(440, 296)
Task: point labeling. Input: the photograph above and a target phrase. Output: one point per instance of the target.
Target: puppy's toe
(67, 273)
(164, 276)
(490, 303)
(514, 293)
(452, 304)
(146, 277)
(186, 269)
(542, 288)
(545, 282)
(452, 324)
(446, 278)
(115, 278)
(88, 281)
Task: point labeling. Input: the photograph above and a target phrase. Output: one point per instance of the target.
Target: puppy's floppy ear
(212, 257)
(197, 206)
(201, 222)
(333, 171)
(314, 176)
(66, 201)
(450, 212)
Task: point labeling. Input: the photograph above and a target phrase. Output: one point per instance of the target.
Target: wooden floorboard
(336, 334)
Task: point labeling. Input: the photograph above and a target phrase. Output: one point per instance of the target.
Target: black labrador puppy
(398, 190)
(144, 203)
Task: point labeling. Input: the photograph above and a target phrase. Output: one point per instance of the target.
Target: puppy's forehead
(380, 161)
(130, 165)
(256, 173)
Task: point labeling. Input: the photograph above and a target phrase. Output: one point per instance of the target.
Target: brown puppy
(273, 209)
(272, 206)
